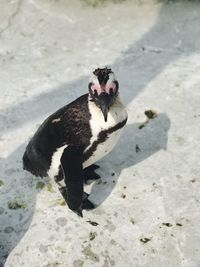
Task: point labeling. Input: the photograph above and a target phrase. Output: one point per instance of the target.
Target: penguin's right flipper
(71, 162)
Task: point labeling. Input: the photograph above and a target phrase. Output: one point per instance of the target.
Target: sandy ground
(148, 196)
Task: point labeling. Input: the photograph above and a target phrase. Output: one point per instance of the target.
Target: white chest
(103, 148)
(116, 115)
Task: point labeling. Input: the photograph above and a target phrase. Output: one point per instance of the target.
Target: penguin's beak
(104, 104)
(104, 110)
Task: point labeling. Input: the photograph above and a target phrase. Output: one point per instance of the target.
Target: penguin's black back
(67, 126)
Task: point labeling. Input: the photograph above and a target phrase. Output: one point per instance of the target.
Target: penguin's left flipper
(71, 162)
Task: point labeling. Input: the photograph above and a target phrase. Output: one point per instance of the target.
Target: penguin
(70, 141)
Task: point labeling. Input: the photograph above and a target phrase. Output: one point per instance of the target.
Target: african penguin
(72, 139)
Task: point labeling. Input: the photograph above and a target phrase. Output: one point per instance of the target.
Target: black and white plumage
(71, 140)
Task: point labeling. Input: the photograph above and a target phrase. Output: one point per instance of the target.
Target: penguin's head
(103, 89)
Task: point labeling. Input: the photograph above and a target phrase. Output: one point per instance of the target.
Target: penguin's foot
(78, 212)
(87, 204)
(90, 174)
(63, 191)
(93, 167)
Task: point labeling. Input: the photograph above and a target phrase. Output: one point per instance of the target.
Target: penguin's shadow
(17, 201)
(136, 144)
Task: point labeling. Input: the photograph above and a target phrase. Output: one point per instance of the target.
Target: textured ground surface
(150, 188)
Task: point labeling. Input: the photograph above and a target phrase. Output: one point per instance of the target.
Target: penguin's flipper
(71, 162)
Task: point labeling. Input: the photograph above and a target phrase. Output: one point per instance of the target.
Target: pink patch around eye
(97, 88)
(106, 89)
(110, 87)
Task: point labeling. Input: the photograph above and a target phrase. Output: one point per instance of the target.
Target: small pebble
(145, 239)
(8, 230)
(92, 235)
(167, 224)
(93, 223)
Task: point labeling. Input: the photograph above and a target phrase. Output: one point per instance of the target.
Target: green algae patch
(150, 114)
(46, 186)
(92, 235)
(89, 254)
(40, 185)
(17, 204)
(61, 202)
(49, 188)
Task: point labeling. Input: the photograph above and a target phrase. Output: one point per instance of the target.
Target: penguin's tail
(32, 164)
(26, 162)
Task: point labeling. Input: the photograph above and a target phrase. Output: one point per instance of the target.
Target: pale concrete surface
(47, 50)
